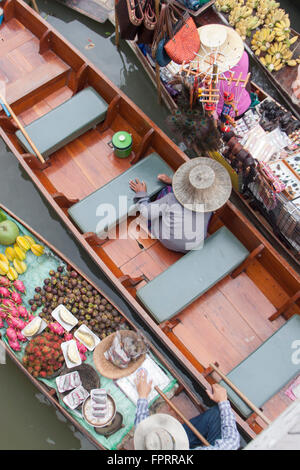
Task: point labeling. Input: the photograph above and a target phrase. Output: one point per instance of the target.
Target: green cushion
(91, 213)
(192, 275)
(65, 123)
(268, 369)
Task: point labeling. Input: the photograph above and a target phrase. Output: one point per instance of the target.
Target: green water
(27, 420)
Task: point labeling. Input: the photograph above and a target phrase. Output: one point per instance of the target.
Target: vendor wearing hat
(180, 215)
(163, 432)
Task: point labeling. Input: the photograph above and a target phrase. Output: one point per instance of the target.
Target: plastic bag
(125, 349)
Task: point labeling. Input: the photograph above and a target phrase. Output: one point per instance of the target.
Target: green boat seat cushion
(192, 275)
(268, 369)
(65, 123)
(103, 209)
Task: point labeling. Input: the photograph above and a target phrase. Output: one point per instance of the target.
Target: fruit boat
(245, 309)
(182, 396)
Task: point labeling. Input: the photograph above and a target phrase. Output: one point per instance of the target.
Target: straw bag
(146, 30)
(184, 42)
(130, 16)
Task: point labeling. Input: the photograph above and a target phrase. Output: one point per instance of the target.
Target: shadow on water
(28, 421)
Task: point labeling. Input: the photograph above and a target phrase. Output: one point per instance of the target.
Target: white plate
(85, 329)
(42, 327)
(64, 347)
(55, 314)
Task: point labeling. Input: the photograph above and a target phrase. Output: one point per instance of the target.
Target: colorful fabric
(242, 97)
(207, 425)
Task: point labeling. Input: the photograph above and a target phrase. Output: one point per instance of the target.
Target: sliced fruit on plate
(67, 317)
(33, 327)
(86, 338)
(72, 352)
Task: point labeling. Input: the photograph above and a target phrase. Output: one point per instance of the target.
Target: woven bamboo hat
(220, 44)
(202, 185)
(105, 367)
(160, 432)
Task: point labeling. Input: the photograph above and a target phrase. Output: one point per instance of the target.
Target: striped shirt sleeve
(230, 439)
(142, 411)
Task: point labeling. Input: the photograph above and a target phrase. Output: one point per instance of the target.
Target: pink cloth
(289, 391)
(242, 98)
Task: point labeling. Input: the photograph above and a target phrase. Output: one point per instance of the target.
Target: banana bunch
(262, 40)
(225, 5)
(246, 25)
(274, 17)
(252, 3)
(265, 6)
(282, 29)
(238, 13)
(271, 63)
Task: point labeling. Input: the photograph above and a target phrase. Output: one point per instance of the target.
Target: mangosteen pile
(67, 287)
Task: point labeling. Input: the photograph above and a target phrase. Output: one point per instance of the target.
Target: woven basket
(105, 367)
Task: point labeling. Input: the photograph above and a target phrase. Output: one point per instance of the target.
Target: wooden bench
(65, 123)
(268, 369)
(102, 210)
(192, 275)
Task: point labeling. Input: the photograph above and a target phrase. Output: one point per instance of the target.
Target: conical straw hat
(220, 44)
(202, 185)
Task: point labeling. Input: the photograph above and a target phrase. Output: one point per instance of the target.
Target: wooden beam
(9, 10)
(63, 201)
(45, 42)
(129, 281)
(34, 163)
(80, 78)
(111, 113)
(93, 240)
(285, 306)
(8, 124)
(144, 145)
(254, 254)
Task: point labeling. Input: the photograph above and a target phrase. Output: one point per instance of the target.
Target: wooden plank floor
(22, 68)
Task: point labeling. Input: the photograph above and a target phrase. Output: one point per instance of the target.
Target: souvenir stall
(215, 110)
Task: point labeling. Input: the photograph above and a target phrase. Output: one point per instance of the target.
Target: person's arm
(149, 210)
(143, 389)
(230, 439)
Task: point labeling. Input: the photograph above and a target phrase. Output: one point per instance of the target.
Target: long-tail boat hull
(227, 323)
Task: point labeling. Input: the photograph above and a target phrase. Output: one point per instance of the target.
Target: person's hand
(142, 385)
(138, 186)
(218, 394)
(164, 178)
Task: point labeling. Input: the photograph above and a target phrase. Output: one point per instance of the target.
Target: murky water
(27, 420)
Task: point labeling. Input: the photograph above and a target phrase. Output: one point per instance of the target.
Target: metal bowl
(95, 421)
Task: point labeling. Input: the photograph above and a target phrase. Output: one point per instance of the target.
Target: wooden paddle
(6, 107)
(186, 421)
(241, 395)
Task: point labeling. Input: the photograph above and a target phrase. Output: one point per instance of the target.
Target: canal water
(27, 420)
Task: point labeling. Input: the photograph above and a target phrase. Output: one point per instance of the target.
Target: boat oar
(186, 421)
(10, 112)
(241, 395)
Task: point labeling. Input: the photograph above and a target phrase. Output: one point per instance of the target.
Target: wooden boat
(183, 397)
(232, 319)
(281, 80)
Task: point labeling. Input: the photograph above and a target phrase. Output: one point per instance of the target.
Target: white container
(85, 329)
(56, 316)
(64, 346)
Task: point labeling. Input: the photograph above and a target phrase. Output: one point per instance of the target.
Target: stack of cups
(99, 402)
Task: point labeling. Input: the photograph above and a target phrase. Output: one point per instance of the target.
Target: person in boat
(163, 432)
(180, 215)
(223, 46)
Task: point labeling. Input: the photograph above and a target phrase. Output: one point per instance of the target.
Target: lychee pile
(43, 355)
